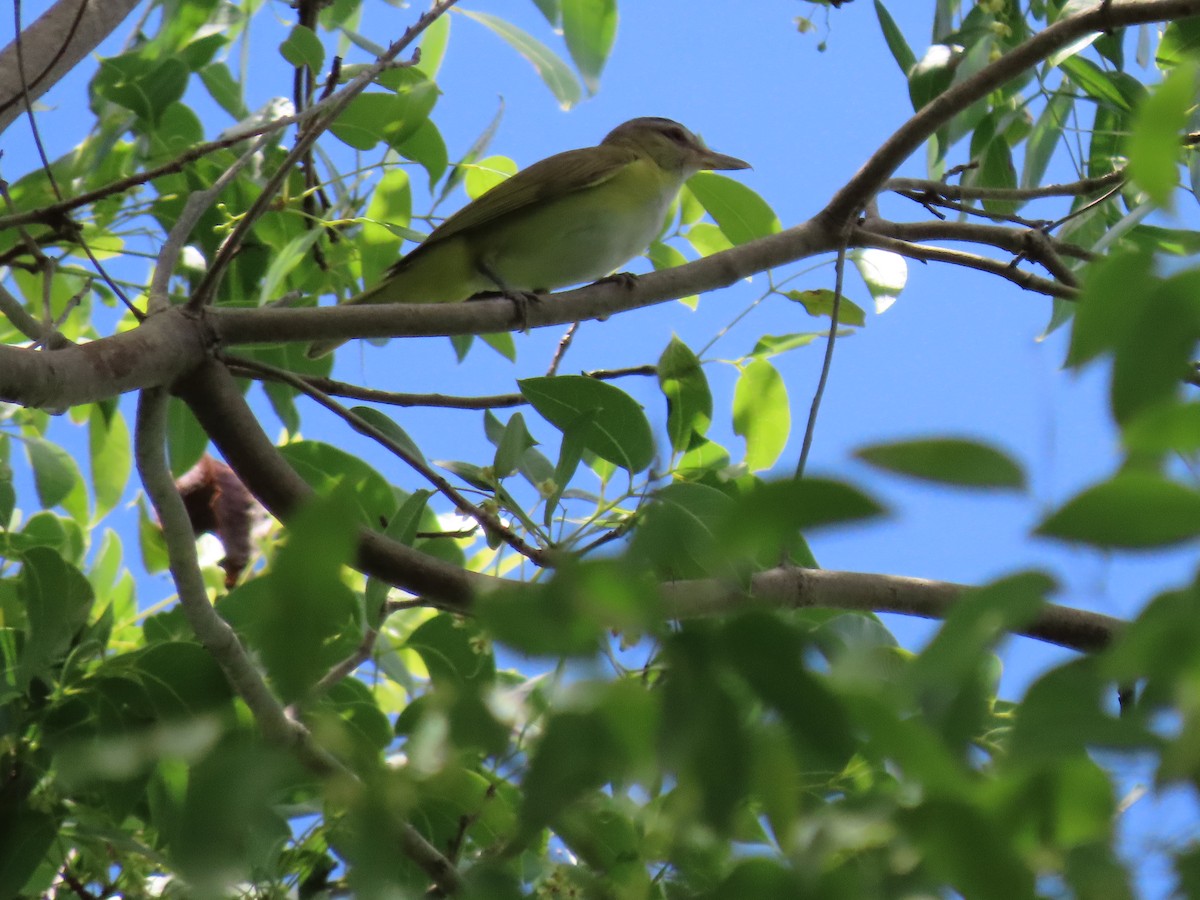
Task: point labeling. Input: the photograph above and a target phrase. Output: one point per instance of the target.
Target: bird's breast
(582, 236)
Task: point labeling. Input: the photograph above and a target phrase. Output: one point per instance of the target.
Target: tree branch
(791, 587)
(213, 396)
(213, 632)
(52, 46)
(1007, 271)
(870, 179)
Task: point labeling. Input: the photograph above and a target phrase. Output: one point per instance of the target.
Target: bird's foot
(625, 279)
(520, 301)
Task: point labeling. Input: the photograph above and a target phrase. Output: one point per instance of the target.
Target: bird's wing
(542, 182)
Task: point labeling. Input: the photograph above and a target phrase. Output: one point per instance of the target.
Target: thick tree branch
(52, 46)
(213, 632)
(153, 354)
(213, 396)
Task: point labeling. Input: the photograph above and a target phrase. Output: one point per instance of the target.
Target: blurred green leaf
(589, 27)
(946, 461)
(552, 70)
(1132, 510)
(894, 37)
(303, 48)
(1155, 142)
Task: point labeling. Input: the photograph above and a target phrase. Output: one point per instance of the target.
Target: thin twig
(77, 236)
(826, 364)
(489, 522)
(561, 350)
(1019, 277)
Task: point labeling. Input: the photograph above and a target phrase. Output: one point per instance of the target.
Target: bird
(571, 218)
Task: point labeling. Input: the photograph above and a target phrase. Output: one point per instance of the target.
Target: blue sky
(958, 354)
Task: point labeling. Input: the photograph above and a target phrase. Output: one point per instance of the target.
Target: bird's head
(670, 145)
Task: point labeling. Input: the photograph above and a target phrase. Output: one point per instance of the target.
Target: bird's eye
(677, 134)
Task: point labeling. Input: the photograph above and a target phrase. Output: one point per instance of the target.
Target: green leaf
(303, 619)
(742, 214)
(385, 116)
(614, 427)
(222, 87)
(391, 205)
(513, 443)
(1180, 43)
(386, 426)
(303, 48)
(1154, 354)
(1164, 428)
(546, 63)
(947, 461)
(949, 833)
(427, 147)
(901, 52)
(589, 27)
(689, 401)
(761, 414)
(27, 837)
(186, 440)
(111, 457)
(1043, 140)
(54, 471)
(773, 344)
(1155, 143)
(284, 261)
(766, 521)
(434, 41)
(768, 653)
(1095, 82)
(1104, 314)
(485, 174)
(820, 303)
(1132, 510)
(572, 614)
(57, 599)
(454, 651)
(145, 86)
(677, 531)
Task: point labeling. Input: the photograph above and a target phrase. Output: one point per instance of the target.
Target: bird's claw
(520, 301)
(625, 279)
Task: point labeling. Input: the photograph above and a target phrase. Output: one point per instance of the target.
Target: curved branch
(1008, 271)
(213, 632)
(965, 192)
(795, 588)
(213, 396)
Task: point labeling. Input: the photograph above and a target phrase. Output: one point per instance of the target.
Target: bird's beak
(710, 159)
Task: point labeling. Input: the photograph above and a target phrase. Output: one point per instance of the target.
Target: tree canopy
(334, 703)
